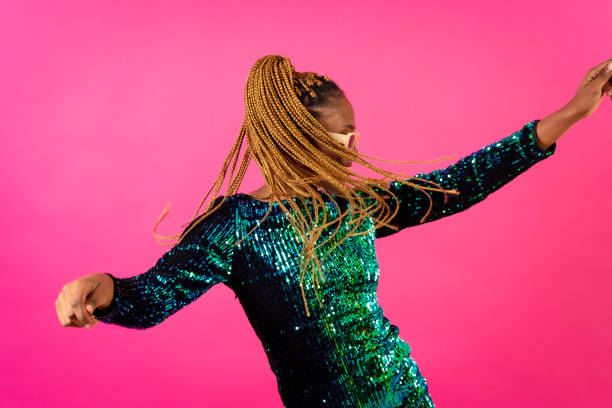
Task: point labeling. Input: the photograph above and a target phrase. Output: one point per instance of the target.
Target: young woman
(299, 251)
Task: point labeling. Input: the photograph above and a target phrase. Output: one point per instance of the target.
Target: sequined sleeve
(202, 259)
(474, 176)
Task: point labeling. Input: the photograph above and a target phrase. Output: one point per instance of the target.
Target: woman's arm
(549, 129)
(474, 176)
(486, 170)
(202, 259)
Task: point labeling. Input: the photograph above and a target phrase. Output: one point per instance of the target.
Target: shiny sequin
(347, 353)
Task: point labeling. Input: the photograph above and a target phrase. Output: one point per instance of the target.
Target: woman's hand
(78, 299)
(593, 87)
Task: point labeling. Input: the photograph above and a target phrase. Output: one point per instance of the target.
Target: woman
(299, 251)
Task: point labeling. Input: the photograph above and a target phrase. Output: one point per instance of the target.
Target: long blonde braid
(281, 134)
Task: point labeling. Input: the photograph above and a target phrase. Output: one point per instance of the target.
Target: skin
(596, 83)
(78, 299)
(338, 119)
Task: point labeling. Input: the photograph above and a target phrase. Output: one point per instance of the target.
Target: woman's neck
(264, 192)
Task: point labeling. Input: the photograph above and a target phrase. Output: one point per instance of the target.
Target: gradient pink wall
(112, 110)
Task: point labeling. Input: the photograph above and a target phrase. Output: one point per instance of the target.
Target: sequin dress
(347, 353)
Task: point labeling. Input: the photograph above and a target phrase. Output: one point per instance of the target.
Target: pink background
(111, 111)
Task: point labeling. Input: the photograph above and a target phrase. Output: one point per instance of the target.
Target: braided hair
(282, 133)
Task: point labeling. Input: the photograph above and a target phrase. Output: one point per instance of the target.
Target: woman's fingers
(78, 306)
(64, 315)
(70, 305)
(59, 309)
(595, 71)
(607, 88)
(597, 68)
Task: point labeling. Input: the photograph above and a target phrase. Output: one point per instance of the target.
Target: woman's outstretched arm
(486, 170)
(202, 259)
(474, 176)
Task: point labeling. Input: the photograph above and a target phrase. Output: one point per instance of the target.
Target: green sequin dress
(347, 353)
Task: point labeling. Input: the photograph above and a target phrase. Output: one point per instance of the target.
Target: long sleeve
(474, 176)
(202, 259)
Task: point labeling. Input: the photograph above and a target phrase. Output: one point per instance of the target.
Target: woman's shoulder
(225, 204)
(222, 214)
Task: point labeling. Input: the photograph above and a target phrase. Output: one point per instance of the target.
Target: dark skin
(338, 119)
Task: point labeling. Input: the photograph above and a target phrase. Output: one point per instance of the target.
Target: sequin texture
(347, 353)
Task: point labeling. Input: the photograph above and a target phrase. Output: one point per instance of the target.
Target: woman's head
(328, 104)
(288, 117)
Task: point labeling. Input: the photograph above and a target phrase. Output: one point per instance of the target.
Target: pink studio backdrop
(111, 111)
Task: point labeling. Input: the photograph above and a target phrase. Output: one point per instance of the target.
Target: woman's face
(339, 119)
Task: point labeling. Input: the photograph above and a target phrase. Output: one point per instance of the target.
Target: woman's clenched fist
(78, 299)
